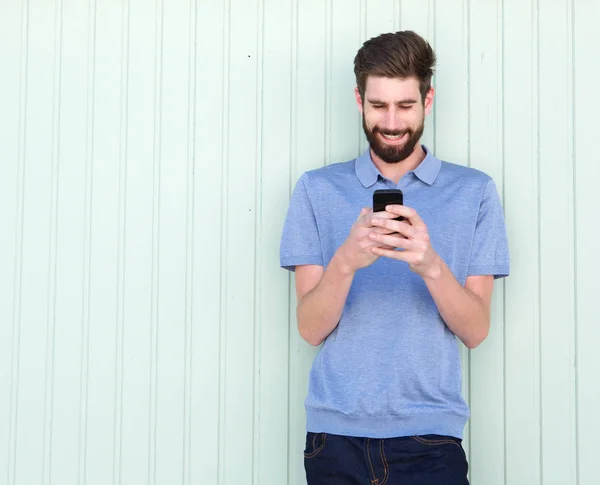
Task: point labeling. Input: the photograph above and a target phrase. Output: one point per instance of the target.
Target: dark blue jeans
(415, 460)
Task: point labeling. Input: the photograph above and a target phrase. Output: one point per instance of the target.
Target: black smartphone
(384, 197)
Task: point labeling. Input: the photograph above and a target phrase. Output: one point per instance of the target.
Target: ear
(358, 100)
(429, 101)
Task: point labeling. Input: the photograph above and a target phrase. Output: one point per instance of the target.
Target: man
(388, 298)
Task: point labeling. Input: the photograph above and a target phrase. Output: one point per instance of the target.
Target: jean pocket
(315, 442)
(437, 440)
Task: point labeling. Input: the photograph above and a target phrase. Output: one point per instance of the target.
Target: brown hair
(396, 55)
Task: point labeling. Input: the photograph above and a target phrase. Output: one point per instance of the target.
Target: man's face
(393, 116)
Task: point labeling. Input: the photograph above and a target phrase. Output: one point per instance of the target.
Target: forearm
(463, 311)
(320, 310)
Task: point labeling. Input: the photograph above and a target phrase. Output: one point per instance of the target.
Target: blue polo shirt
(392, 367)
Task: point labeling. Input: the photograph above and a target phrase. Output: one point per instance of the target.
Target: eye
(405, 106)
(378, 106)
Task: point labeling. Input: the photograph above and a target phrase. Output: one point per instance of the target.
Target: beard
(393, 153)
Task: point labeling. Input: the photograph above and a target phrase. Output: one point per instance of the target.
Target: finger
(396, 226)
(363, 212)
(383, 230)
(381, 215)
(390, 253)
(367, 244)
(377, 245)
(393, 240)
(409, 213)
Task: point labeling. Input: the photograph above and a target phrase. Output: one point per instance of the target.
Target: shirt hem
(440, 422)
(291, 263)
(496, 271)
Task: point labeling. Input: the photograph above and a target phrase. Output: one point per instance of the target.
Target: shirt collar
(427, 171)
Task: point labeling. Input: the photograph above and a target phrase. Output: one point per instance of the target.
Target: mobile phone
(384, 197)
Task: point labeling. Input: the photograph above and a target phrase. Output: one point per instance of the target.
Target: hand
(356, 251)
(412, 237)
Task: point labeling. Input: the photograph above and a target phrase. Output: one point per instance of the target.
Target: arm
(321, 298)
(465, 310)
(322, 294)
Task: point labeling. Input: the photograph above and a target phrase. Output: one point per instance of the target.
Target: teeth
(395, 137)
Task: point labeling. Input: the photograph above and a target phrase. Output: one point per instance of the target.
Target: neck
(395, 171)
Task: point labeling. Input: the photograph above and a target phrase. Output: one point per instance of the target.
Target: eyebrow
(402, 101)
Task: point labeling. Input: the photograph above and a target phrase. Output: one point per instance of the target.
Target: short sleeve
(489, 254)
(300, 241)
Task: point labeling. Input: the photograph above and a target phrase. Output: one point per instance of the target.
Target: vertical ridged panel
(587, 261)
(271, 456)
(173, 112)
(173, 253)
(157, 167)
(13, 99)
(258, 255)
(36, 247)
(345, 127)
(188, 457)
(140, 246)
(327, 115)
(452, 111)
(379, 17)
(105, 245)
(557, 329)
(308, 152)
(208, 344)
(240, 245)
(522, 399)
(223, 242)
(486, 370)
(71, 131)
(121, 247)
(53, 251)
(419, 16)
(87, 243)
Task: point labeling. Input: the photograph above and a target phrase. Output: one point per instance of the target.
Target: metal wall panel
(147, 156)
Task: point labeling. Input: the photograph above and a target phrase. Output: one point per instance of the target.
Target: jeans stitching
(368, 449)
(434, 442)
(386, 473)
(316, 451)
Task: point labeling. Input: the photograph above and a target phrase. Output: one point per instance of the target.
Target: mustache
(389, 132)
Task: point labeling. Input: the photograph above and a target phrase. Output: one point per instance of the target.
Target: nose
(390, 120)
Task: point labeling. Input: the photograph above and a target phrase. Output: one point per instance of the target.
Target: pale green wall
(147, 153)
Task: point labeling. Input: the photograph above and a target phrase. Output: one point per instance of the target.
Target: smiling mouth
(392, 138)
